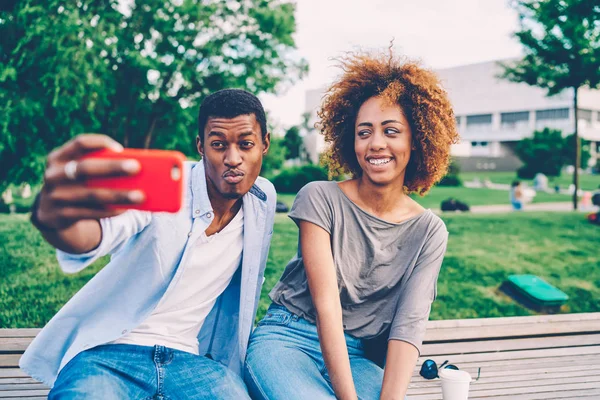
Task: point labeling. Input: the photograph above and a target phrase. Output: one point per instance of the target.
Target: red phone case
(160, 178)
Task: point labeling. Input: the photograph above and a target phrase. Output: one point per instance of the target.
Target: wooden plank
(14, 344)
(526, 364)
(21, 393)
(9, 360)
(531, 384)
(25, 332)
(21, 386)
(563, 395)
(496, 321)
(509, 345)
(520, 379)
(17, 380)
(518, 354)
(507, 331)
(12, 373)
(546, 389)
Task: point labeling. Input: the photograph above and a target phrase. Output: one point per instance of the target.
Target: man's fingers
(94, 198)
(81, 213)
(82, 145)
(91, 168)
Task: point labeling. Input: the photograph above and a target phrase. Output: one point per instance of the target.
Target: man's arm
(66, 212)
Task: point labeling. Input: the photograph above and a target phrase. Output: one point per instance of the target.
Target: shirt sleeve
(312, 205)
(410, 320)
(115, 233)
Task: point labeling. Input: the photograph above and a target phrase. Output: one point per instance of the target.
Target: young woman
(358, 294)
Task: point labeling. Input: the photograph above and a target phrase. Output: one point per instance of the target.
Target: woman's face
(382, 142)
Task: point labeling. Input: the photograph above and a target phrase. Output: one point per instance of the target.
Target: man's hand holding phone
(66, 198)
(93, 177)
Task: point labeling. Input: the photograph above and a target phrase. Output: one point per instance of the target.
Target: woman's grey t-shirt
(386, 272)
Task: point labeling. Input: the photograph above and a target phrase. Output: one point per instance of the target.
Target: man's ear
(199, 146)
(266, 143)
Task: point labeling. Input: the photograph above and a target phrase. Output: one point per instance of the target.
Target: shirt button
(197, 212)
(124, 331)
(209, 215)
(189, 234)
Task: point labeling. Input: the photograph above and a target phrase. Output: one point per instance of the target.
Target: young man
(170, 315)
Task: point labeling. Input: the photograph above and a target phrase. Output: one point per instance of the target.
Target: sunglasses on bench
(429, 369)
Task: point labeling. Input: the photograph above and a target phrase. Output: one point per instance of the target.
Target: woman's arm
(400, 362)
(315, 244)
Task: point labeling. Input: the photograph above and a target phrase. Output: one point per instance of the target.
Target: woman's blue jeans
(284, 361)
(122, 371)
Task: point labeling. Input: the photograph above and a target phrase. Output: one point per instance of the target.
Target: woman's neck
(380, 199)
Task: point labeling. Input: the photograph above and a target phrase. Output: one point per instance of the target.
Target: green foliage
(547, 152)
(291, 180)
(561, 39)
(293, 143)
(452, 178)
(275, 157)
(134, 70)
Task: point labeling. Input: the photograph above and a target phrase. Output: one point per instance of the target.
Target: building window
(457, 119)
(585, 115)
(558, 113)
(482, 119)
(514, 117)
(479, 144)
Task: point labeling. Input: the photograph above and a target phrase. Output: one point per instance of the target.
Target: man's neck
(224, 209)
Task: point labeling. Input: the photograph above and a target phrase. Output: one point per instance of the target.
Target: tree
(275, 157)
(293, 143)
(584, 153)
(561, 39)
(543, 153)
(547, 152)
(137, 74)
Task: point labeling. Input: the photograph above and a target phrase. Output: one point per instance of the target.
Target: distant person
(357, 295)
(516, 195)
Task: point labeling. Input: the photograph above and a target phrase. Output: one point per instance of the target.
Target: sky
(439, 33)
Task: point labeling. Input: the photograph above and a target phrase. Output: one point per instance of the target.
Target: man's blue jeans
(122, 371)
(284, 361)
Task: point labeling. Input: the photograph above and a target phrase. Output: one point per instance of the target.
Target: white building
(493, 113)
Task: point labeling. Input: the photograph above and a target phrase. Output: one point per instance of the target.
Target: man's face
(233, 150)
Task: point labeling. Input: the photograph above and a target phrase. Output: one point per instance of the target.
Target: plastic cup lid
(455, 375)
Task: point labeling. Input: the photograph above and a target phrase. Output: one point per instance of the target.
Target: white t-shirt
(178, 317)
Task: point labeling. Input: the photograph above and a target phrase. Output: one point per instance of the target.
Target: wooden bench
(540, 357)
(14, 383)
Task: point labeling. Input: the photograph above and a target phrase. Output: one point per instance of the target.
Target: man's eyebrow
(215, 133)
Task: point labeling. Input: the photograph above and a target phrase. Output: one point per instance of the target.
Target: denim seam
(255, 381)
(159, 371)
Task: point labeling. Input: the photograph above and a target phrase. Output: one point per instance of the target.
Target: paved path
(548, 207)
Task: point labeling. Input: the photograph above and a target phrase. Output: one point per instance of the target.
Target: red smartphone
(160, 178)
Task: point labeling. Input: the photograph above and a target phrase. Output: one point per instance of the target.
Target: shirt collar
(200, 201)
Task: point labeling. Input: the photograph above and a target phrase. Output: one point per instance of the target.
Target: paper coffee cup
(455, 384)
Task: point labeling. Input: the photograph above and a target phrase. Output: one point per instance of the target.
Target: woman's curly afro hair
(416, 90)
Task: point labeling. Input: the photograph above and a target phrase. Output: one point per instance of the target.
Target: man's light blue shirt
(146, 250)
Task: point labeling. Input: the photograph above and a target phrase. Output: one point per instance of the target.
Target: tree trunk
(148, 138)
(577, 152)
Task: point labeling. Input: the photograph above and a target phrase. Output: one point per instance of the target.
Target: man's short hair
(230, 103)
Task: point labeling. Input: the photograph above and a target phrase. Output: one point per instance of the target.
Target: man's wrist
(34, 217)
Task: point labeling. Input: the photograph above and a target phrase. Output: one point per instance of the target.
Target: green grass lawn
(483, 250)
(472, 196)
(586, 181)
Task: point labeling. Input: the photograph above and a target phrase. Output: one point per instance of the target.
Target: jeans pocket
(277, 318)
